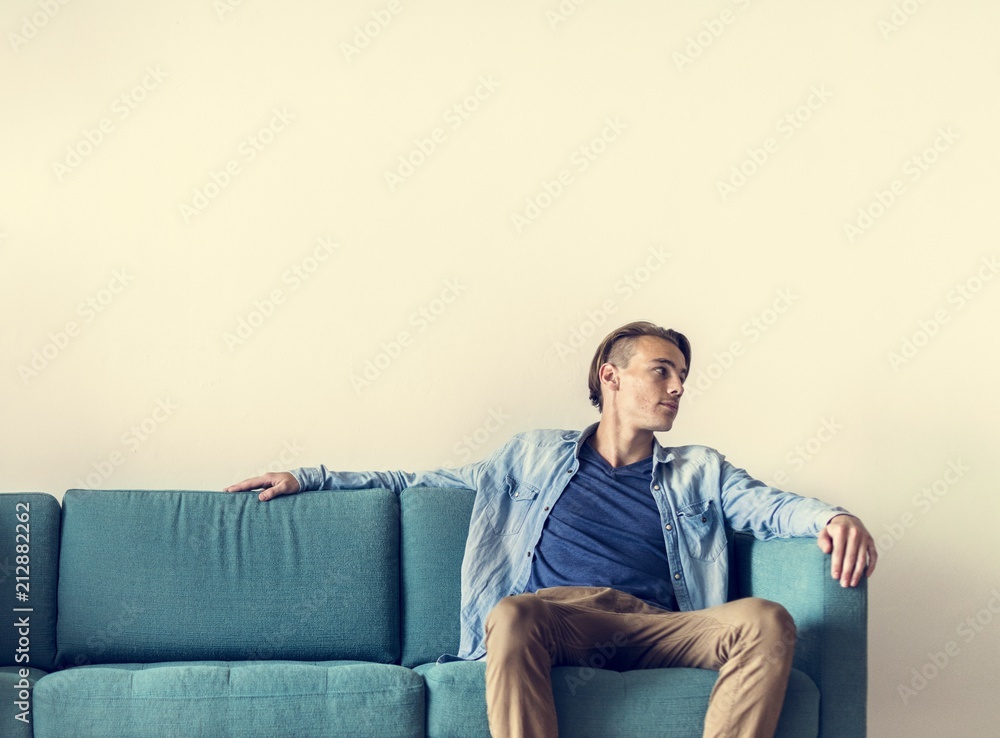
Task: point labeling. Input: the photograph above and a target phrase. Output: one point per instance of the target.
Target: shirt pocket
(702, 529)
(510, 506)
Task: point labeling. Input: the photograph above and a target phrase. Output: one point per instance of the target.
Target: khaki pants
(750, 642)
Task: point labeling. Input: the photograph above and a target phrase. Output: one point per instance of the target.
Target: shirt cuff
(832, 514)
(304, 478)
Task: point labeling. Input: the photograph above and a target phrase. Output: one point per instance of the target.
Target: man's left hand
(852, 546)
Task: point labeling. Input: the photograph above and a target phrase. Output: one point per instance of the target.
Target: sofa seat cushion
(220, 698)
(600, 703)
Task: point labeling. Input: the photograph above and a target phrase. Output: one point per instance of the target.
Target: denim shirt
(697, 491)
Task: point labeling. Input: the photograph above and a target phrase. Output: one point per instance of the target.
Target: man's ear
(608, 374)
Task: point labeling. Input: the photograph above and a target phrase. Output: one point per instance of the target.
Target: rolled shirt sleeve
(321, 478)
(768, 512)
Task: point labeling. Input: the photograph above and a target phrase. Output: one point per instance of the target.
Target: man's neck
(620, 446)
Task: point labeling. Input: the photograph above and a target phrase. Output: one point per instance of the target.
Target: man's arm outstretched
(320, 477)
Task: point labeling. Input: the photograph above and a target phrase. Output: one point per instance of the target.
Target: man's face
(650, 387)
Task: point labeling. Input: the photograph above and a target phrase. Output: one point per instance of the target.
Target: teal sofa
(188, 613)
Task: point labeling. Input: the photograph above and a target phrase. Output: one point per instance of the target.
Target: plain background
(808, 191)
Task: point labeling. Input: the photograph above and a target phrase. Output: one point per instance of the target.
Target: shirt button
(529, 554)
(669, 526)
(704, 519)
(677, 576)
(569, 471)
(516, 494)
(656, 486)
(546, 508)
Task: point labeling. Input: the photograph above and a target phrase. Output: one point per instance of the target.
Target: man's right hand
(273, 484)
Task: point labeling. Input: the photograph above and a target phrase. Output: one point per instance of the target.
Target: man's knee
(773, 625)
(518, 617)
(514, 609)
(769, 611)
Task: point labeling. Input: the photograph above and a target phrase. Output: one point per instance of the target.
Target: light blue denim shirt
(697, 491)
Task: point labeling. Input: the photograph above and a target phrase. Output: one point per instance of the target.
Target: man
(581, 538)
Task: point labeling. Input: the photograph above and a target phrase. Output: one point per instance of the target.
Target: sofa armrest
(29, 565)
(832, 622)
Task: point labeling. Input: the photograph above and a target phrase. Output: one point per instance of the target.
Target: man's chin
(661, 426)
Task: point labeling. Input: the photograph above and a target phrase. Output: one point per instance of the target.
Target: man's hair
(618, 348)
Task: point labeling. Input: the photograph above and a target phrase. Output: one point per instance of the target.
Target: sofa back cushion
(29, 555)
(435, 524)
(149, 576)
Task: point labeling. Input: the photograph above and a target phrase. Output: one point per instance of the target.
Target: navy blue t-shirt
(604, 531)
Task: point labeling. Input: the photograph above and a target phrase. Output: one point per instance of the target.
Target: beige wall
(208, 228)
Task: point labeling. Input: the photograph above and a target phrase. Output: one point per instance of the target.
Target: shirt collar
(584, 435)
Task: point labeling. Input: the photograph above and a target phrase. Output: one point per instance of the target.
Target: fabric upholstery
(15, 720)
(149, 576)
(600, 703)
(219, 699)
(832, 623)
(435, 523)
(205, 613)
(37, 581)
